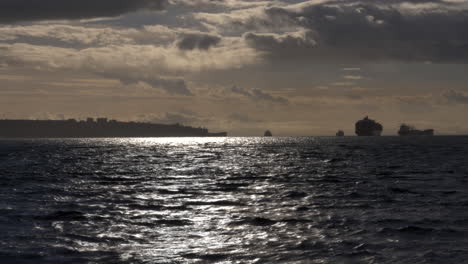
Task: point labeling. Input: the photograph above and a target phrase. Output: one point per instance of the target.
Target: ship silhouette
(407, 130)
(368, 127)
(340, 133)
(268, 134)
(99, 128)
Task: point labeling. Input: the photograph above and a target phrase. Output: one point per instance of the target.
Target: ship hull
(368, 127)
(375, 133)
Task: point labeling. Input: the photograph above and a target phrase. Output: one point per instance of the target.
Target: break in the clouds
(32, 10)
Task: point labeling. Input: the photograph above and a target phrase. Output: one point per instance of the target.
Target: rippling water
(234, 200)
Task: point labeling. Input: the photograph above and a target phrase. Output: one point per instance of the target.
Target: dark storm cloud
(434, 31)
(197, 41)
(31, 10)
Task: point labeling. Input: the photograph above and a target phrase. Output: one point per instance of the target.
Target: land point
(99, 128)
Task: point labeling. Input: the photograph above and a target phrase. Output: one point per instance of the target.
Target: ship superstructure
(368, 127)
(407, 130)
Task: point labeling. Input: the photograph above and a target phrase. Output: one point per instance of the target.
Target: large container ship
(407, 130)
(368, 127)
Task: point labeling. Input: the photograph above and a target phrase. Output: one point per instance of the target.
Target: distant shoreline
(99, 128)
(215, 136)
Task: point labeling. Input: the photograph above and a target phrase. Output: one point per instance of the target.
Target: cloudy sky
(294, 67)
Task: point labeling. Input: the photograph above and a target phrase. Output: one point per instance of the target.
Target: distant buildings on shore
(100, 127)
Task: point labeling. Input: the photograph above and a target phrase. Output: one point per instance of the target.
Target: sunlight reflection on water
(234, 200)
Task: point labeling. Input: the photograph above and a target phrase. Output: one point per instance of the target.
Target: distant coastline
(98, 128)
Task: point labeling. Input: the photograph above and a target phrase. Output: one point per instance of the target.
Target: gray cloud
(172, 118)
(242, 91)
(27, 10)
(419, 31)
(284, 46)
(412, 105)
(184, 117)
(457, 97)
(172, 86)
(258, 95)
(239, 117)
(197, 41)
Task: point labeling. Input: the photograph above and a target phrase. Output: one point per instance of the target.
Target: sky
(297, 68)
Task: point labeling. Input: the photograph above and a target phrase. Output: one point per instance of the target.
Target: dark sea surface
(234, 200)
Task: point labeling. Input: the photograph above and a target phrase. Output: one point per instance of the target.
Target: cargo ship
(368, 127)
(97, 128)
(407, 130)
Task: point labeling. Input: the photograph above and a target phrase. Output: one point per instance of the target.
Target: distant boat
(267, 134)
(340, 133)
(407, 130)
(368, 127)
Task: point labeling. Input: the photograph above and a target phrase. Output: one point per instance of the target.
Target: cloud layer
(27, 10)
(300, 60)
(455, 97)
(352, 30)
(197, 41)
(158, 56)
(258, 95)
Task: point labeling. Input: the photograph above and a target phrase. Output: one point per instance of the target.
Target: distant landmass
(100, 127)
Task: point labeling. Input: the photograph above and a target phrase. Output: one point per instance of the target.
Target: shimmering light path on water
(234, 200)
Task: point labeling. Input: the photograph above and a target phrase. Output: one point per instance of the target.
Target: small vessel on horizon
(407, 130)
(267, 134)
(340, 133)
(368, 127)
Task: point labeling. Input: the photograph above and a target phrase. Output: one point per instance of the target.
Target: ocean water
(234, 200)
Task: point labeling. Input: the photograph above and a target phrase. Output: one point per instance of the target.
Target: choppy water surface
(234, 200)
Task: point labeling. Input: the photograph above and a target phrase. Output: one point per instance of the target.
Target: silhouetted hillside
(96, 128)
